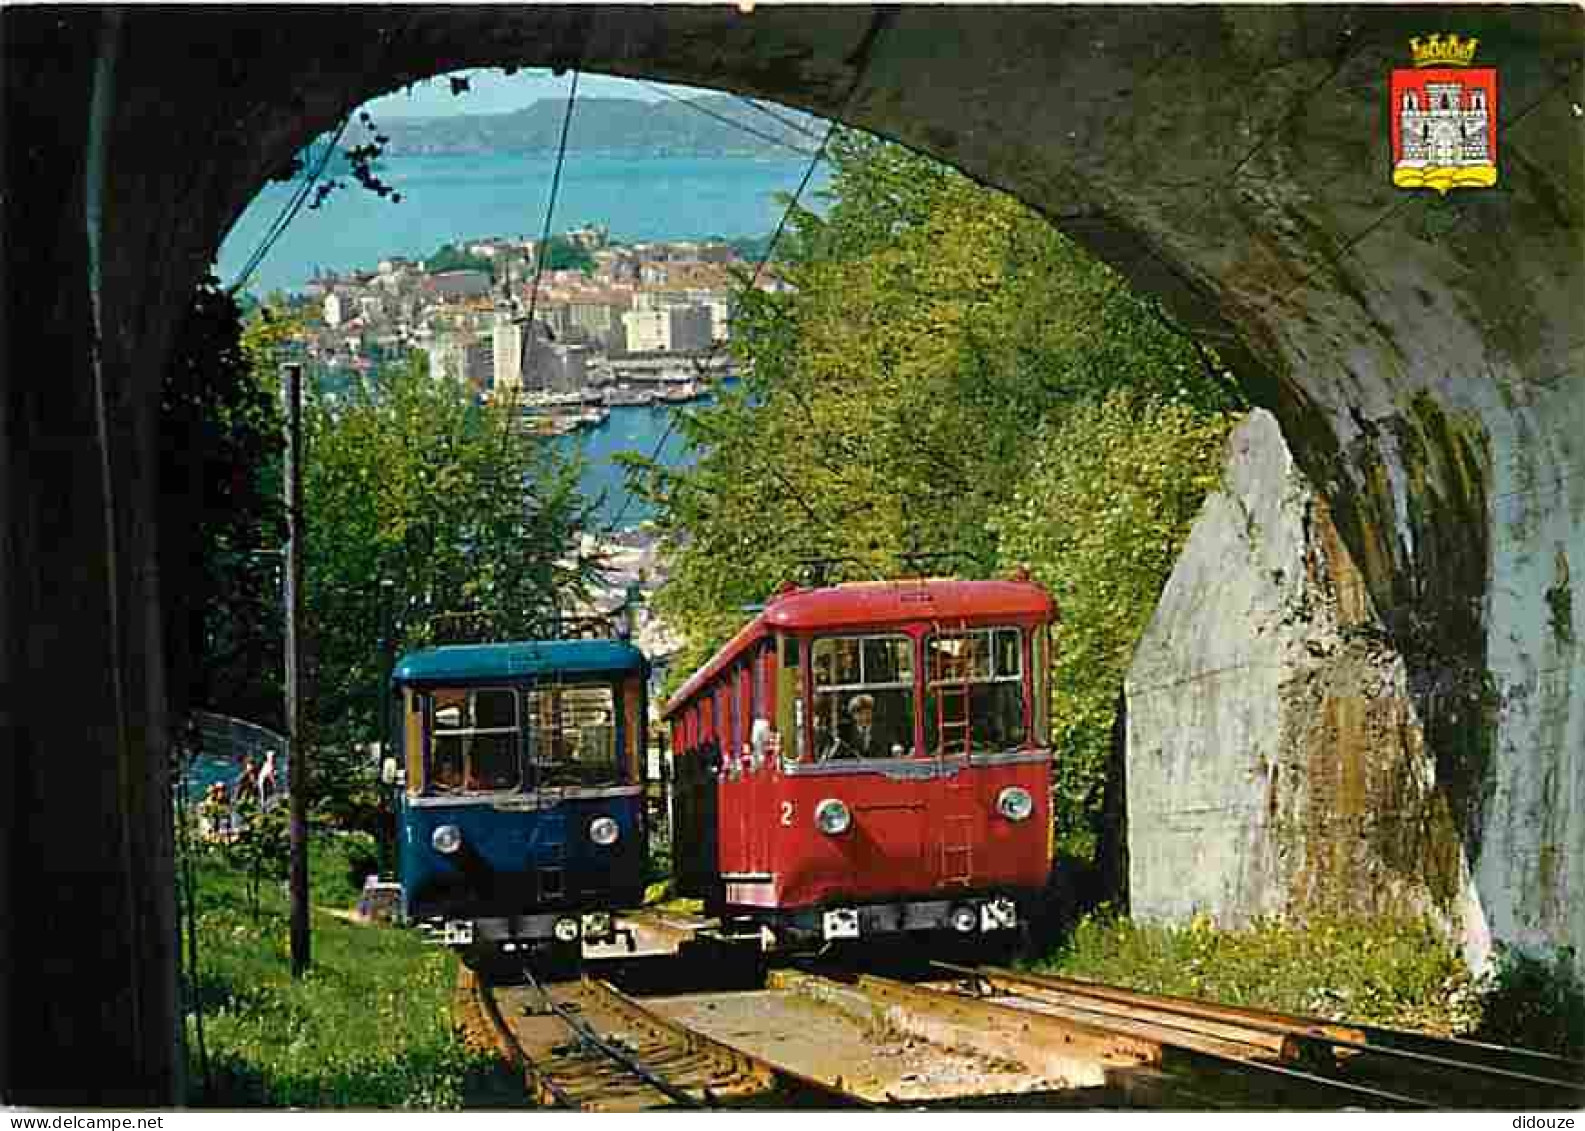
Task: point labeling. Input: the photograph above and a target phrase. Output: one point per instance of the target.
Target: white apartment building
(464, 356)
(673, 328)
(507, 339)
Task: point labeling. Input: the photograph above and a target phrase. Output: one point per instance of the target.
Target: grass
(1394, 972)
(368, 1026)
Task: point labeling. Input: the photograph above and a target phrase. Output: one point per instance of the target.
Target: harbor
(561, 414)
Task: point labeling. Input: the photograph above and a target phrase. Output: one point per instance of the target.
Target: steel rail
(590, 1038)
(1481, 1048)
(1198, 1049)
(1281, 1045)
(509, 1044)
(1322, 1031)
(1266, 1020)
(1326, 1083)
(743, 1061)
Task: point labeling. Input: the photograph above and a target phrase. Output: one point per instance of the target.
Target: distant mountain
(626, 125)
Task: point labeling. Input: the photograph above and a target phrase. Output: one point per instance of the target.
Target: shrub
(1382, 970)
(1531, 1002)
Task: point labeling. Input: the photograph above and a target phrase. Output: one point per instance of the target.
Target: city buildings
(636, 306)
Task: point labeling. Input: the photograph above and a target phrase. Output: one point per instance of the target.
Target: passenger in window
(447, 773)
(494, 764)
(859, 734)
(825, 741)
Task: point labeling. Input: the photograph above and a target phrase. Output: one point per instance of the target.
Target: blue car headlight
(446, 839)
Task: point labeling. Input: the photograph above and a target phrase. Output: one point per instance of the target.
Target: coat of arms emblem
(1444, 117)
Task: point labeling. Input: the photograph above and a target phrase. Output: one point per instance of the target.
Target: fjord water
(451, 198)
(630, 428)
(638, 197)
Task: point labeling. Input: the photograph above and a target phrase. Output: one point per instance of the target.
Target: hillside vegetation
(950, 376)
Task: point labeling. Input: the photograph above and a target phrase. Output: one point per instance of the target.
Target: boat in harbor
(682, 393)
(623, 396)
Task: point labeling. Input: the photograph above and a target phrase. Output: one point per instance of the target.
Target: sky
(493, 92)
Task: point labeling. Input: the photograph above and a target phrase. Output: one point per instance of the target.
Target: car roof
(518, 659)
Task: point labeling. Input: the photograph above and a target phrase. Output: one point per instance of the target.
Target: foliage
(420, 502)
(1395, 971)
(1534, 1003)
(221, 516)
(453, 257)
(1107, 503)
(562, 254)
(937, 337)
(750, 248)
(359, 161)
(368, 1026)
(258, 850)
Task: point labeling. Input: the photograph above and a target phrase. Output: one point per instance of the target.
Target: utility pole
(298, 766)
(382, 705)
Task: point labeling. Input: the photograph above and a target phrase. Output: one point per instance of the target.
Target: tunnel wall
(1421, 354)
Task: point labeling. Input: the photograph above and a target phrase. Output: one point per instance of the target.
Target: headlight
(603, 830)
(832, 817)
(565, 930)
(446, 839)
(1014, 803)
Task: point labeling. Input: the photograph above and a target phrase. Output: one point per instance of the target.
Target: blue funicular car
(521, 821)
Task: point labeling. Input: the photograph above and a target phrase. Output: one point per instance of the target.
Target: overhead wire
(542, 254)
(288, 213)
(864, 55)
(795, 126)
(703, 366)
(770, 139)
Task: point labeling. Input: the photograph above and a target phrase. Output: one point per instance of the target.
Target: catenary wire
(797, 127)
(733, 122)
(759, 268)
(865, 55)
(288, 213)
(543, 252)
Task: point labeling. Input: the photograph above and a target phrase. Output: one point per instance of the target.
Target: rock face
(1422, 354)
(1276, 754)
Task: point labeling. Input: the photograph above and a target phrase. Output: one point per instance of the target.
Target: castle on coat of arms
(1450, 131)
(1444, 121)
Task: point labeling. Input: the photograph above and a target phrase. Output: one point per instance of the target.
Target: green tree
(452, 257)
(420, 503)
(561, 254)
(892, 395)
(948, 373)
(1100, 516)
(221, 517)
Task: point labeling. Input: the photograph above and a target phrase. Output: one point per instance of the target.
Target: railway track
(587, 1046)
(987, 1036)
(1211, 1052)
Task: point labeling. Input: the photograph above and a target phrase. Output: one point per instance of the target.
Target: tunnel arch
(1422, 354)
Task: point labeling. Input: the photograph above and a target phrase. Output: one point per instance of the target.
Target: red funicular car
(869, 759)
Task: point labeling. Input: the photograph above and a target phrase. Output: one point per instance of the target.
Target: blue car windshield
(474, 740)
(572, 736)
